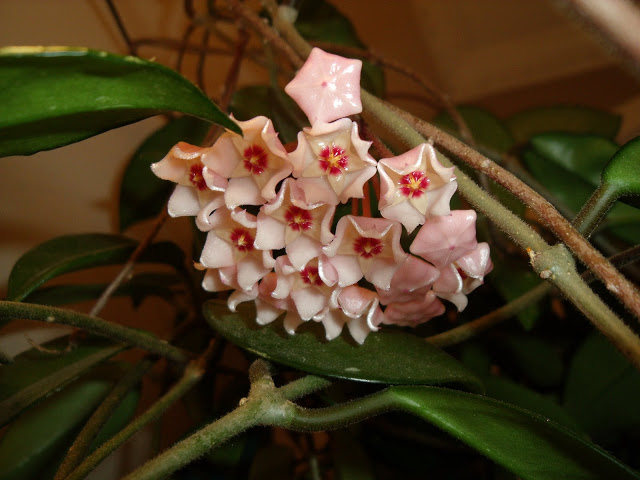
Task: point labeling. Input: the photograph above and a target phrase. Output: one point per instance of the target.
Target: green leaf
(529, 445)
(623, 170)
(142, 194)
(554, 158)
(75, 252)
(36, 442)
(525, 124)
(53, 96)
(387, 356)
(602, 388)
(321, 22)
(35, 374)
(582, 155)
(119, 419)
(285, 114)
(488, 131)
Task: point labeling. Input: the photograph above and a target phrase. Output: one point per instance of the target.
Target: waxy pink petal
(414, 186)
(411, 314)
(183, 165)
(411, 281)
(368, 247)
(254, 163)
(332, 162)
(444, 239)
(327, 87)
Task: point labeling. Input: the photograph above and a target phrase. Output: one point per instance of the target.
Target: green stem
(303, 386)
(595, 209)
(81, 444)
(193, 372)
(43, 313)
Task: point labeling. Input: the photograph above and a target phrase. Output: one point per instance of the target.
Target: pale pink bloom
(463, 276)
(415, 312)
(327, 87)
(269, 308)
(253, 163)
(354, 306)
(309, 288)
(412, 281)
(229, 243)
(444, 239)
(368, 247)
(332, 162)
(289, 221)
(414, 186)
(183, 165)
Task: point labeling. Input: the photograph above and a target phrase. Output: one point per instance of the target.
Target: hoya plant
(381, 292)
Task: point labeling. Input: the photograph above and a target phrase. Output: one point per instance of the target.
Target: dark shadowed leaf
(53, 96)
(386, 356)
(530, 445)
(76, 252)
(602, 388)
(35, 374)
(489, 132)
(561, 118)
(142, 194)
(36, 442)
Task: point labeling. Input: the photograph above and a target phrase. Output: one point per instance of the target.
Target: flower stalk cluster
(292, 256)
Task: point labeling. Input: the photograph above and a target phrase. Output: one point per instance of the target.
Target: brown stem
(123, 31)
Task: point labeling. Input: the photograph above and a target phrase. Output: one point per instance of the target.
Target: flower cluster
(289, 258)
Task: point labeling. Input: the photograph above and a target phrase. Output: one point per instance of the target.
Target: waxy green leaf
(54, 96)
(622, 173)
(529, 445)
(35, 374)
(528, 123)
(76, 252)
(387, 356)
(142, 194)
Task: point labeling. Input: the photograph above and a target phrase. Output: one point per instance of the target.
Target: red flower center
(414, 184)
(298, 218)
(255, 159)
(196, 178)
(333, 160)
(368, 247)
(309, 275)
(242, 239)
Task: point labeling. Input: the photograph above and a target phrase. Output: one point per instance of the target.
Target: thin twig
(128, 267)
(123, 31)
(202, 58)
(183, 46)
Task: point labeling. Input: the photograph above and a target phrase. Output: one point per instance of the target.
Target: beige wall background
(501, 54)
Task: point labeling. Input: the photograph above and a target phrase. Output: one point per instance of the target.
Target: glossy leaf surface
(142, 194)
(623, 170)
(34, 374)
(53, 96)
(386, 356)
(524, 125)
(75, 252)
(527, 444)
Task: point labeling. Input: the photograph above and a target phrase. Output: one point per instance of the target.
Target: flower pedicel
(323, 275)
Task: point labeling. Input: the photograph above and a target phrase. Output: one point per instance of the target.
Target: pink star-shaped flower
(415, 312)
(412, 281)
(288, 221)
(183, 165)
(444, 239)
(414, 186)
(230, 243)
(332, 162)
(254, 163)
(327, 87)
(368, 247)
